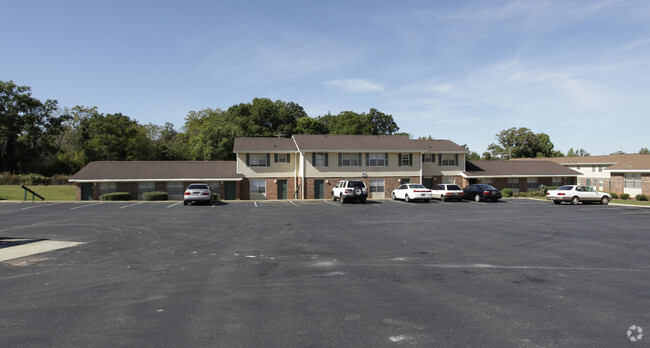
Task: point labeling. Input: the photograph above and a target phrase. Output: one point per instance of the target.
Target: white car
(447, 192)
(409, 192)
(576, 194)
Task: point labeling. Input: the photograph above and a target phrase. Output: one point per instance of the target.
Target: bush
(216, 196)
(506, 192)
(641, 197)
(625, 195)
(155, 196)
(614, 195)
(32, 179)
(116, 196)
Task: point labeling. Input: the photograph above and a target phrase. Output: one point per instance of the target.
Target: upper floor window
(258, 160)
(349, 159)
(405, 159)
(377, 160)
(428, 158)
(449, 160)
(319, 159)
(282, 157)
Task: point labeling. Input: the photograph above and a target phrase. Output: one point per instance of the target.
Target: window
(633, 180)
(258, 186)
(513, 183)
(428, 158)
(405, 159)
(557, 182)
(282, 158)
(600, 168)
(578, 167)
(448, 180)
(349, 159)
(106, 187)
(448, 160)
(486, 181)
(175, 189)
(593, 167)
(376, 185)
(377, 160)
(258, 160)
(319, 159)
(145, 187)
(532, 183)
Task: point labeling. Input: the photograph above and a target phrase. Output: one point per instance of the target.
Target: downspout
(421, 167)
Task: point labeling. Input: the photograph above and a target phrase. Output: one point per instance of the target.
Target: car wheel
(342, 199)
(575, 200)
(477, 198)
(604, 200)
(442, 198)
(406, 198)
(393, 194)
(184, 202)
(557, 202)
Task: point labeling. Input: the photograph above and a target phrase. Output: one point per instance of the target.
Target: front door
(428, 182)
(282, 189)
(319, 189)
(231, 190)
(87, 192)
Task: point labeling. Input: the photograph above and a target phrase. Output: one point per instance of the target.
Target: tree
(166, 142)
(522, 143)
(308, 125)
(114, 137)
(579, 153)
(472, 156)
(619, 152)
(644, 150)
(350, 122)
(27, 129)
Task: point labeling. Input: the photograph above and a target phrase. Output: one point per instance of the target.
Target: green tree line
(39, 137)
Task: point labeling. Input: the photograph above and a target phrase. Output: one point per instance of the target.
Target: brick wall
(645, 183)
(130, 187)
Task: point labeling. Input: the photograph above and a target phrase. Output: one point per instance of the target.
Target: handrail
(32, 192)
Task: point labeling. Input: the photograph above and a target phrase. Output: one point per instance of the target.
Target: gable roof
(264, 144)
(619, 163)
(129, 171)
(493, 169)
(372, 143)
(632, 163)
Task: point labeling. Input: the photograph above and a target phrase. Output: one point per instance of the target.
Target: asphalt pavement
(516, 273)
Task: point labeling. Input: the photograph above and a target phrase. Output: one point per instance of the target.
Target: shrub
(216, 196)
(116, 196)
(506, 192)
(614, 195)
(641, 197)
(7, 178)
(155, 196)
(625, 195)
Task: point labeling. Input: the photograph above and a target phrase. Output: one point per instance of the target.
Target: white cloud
(356, 86)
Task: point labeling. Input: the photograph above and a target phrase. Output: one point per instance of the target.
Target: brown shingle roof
(380, 143)
(264, 144)
(516, 168)
(632, 162)
(157, 171)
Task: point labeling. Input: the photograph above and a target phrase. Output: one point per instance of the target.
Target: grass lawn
(50, 193)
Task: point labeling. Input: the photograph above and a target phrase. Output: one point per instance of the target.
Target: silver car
(198, 193)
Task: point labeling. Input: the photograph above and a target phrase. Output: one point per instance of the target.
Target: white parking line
(86, 205)
(334, 204)
(173, 205)
(42, 205)
(34, 248)
(130, 205)
(294, 203)
(255, 204)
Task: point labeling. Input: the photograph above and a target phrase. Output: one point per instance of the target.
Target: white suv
(350, 190)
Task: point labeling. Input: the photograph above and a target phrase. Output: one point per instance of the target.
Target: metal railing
(34, 194)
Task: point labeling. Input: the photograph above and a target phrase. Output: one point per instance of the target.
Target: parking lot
(387, 273)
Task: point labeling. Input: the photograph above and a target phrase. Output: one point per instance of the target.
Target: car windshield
(417, 186)
(565, 188)
(197, 187)
(453, 187)
(356, 184)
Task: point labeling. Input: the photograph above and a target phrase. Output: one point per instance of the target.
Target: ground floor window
(145, 187)
(106, 187)
(557, 182)
(175, 190)
(376, 185)
(258, 186)
(513, 183)
(532, 183)
(449, 180)
(633, 180)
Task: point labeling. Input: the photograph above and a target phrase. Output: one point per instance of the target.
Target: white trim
(515, 176)
(153, 180)
(628, 170)
(584, 164)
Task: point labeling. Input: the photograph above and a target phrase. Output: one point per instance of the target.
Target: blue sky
(578, 71)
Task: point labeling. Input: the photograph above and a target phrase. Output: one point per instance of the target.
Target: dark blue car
(481, 192)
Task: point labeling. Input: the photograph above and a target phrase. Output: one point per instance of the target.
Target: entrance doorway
(319, 189)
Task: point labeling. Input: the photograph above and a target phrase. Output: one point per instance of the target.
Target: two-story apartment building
(308, 166)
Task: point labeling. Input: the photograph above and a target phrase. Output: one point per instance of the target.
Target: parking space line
(130, 205)
(294, 203)
(86, 205)
(334, 204)
(42, 205)
(173, 205)
(255, 204)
